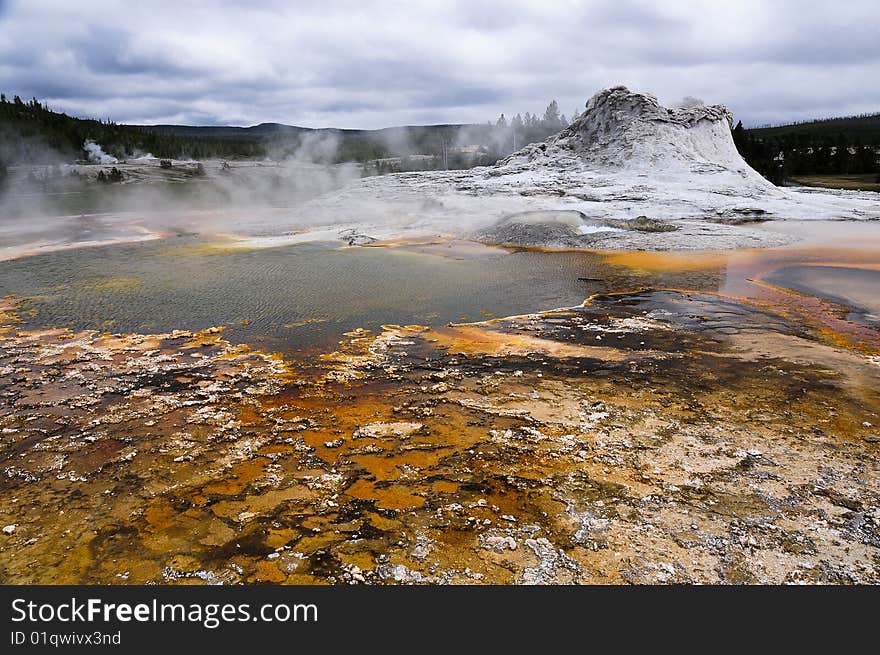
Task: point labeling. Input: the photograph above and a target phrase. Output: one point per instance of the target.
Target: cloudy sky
(374, 64)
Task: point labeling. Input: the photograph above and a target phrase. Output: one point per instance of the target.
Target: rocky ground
(651, 437)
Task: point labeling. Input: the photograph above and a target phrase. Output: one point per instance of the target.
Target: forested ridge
(838, 146)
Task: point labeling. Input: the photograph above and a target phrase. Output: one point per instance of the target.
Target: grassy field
(862, 182)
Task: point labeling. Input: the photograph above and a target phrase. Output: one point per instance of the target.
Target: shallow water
(854, 287)
(306, 295)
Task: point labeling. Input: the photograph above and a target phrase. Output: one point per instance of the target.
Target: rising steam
(96, 155)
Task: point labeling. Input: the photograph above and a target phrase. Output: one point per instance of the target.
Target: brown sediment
(649, 436)
(828, 318)
(478, 340)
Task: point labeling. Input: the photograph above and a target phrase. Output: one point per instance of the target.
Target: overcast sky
(375, 64)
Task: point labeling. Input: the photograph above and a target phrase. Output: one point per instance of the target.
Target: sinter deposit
(626, 173)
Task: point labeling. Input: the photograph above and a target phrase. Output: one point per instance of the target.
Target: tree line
(849, 146)
(31, 132)
(528, 128)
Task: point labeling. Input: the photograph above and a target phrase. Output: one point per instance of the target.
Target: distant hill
(442, 140)
(253, 133)
(271, 130)
(31, 133)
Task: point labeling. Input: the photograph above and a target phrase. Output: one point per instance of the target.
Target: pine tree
(740, 140)
(842, 156)
(551, 116)
(502, 122)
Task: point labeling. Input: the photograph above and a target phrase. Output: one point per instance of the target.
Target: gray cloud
(374, 64)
